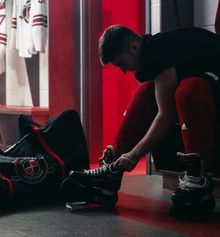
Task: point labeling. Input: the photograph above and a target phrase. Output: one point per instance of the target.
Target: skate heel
(197, 210)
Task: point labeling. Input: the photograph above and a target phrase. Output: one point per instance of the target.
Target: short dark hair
(114, 40)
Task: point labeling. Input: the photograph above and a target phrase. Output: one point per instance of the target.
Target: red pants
(195, 111)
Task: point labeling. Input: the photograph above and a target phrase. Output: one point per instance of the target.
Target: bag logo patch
(31, 170)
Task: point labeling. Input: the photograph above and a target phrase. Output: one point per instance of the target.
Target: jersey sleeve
(12, 40)
(39, 24)
(3, 37)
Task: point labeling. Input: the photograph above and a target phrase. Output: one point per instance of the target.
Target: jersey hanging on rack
(29, 27)
(3, 35)
(39, 24)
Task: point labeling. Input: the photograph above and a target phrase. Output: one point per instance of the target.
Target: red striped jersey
(29, 27)
(3, 35)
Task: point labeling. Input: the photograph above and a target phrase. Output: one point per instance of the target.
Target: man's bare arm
(165, 86)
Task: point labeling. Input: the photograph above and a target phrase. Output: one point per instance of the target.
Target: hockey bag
(32, 169)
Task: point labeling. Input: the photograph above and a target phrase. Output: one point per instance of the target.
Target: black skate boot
(194, 194)
(105, 178)
(197, 210)
(78, 195)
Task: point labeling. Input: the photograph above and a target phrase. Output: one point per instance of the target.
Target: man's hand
(125, 163)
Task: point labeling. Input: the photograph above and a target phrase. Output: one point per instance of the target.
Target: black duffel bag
(32, 169)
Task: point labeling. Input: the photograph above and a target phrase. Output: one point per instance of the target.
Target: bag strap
(36, 130)
(10, 184)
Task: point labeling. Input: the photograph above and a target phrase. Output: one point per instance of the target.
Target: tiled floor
(142, 210)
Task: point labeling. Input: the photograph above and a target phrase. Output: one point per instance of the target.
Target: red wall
(118, 87)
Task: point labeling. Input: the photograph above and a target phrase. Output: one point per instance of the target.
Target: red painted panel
(94, 82)
(118, 87)
(63, 52)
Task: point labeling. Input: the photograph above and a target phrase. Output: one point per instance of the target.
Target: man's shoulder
(182, 31)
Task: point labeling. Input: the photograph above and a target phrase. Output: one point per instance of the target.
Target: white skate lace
(102, 170)
(186, 181)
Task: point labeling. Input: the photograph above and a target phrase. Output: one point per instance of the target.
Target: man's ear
(133, 46)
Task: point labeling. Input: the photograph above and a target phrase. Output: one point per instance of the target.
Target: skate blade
(73, 206)
(78, 207)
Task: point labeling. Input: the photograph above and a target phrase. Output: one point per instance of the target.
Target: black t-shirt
(192, 51)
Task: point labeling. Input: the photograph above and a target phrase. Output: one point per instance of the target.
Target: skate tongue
(108, 156)
(189, 158)
(192, 161)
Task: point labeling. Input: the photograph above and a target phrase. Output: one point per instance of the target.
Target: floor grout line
(13, 230)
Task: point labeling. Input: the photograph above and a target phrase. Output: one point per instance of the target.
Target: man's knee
(143, 99)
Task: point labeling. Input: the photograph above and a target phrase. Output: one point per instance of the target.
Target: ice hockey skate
(77, 194)
(193, 198)
(99, 185)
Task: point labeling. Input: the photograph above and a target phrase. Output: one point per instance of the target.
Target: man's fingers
(124, 163)
(127, 159)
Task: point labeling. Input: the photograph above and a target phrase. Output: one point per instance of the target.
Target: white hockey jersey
(39, 24)
(29, 27)
(3, 35)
